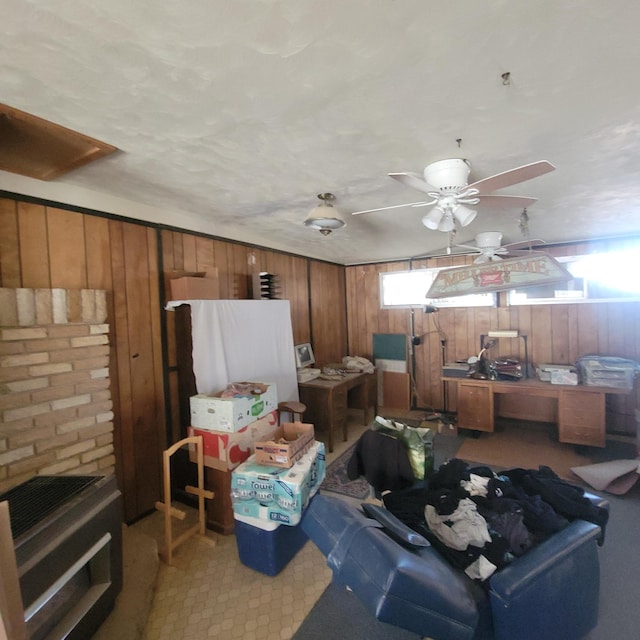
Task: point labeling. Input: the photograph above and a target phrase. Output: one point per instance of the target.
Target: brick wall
(55, 402)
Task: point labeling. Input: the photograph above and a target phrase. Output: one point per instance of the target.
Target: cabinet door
(581, 417)
(475, 406)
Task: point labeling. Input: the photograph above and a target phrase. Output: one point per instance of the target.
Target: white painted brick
(26, 307)
(26, 412)
(60, 467)
(101, 305)
(59, 300)
(86, 469)
(23, 334)
(88, 304)
(75, 425)
(95, 329)
(100, 373)
(8, 308)
(24, 359)
(96, 453)
(14, 455)
(75, 449)
(48, 369)
(73, 401)
(104, 417)
(44, 306)
(29, 384)
(89, 341)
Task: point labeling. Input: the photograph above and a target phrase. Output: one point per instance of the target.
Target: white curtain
(242, 340)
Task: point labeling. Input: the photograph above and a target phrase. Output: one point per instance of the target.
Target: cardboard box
(225, 451)
(196, 286)
(230, 414)
(274, 494)
(287, 445)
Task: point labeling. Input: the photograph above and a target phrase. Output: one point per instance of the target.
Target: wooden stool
(293, 408)
(171, 512)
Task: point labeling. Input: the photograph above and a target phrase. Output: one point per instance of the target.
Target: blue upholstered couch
(550, 592)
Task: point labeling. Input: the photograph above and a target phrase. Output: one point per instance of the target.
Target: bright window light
(409, 289)
(598, 277)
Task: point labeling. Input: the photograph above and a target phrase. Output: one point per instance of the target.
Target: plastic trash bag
(417, 440)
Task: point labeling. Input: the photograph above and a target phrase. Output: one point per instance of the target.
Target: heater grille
(33, 500)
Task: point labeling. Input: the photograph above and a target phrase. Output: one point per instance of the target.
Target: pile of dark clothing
(480, 521)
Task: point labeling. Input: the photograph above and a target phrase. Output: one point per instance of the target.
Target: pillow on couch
(399, 531)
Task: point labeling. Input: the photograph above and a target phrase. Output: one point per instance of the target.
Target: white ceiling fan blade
(511, 177)
(414, 180)
(395, 206)
(470, 247)
(506, 202)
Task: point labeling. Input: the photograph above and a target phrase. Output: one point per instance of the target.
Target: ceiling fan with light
(445, 182)
(489, 248)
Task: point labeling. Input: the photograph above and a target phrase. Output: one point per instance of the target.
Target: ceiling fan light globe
(447, 224)
(464, 215)
(433, 218)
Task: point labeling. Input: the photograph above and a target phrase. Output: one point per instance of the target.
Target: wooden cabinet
(581, 417)
(475, 406)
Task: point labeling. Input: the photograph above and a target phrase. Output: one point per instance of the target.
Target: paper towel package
(276, 494)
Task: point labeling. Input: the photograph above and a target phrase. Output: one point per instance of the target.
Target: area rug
(525, 445)
(337, 481)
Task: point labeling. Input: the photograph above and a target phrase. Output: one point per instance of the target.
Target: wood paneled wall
(43, 247)
(557, 334)
(47, 246)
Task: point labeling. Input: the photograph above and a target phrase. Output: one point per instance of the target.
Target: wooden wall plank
(98, 252)
(67, 251)
(144, 391)
(124, 440)
(34, 250)
(328, 319)
(10, 271)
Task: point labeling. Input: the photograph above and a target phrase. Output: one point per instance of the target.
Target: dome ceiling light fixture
(324, 217)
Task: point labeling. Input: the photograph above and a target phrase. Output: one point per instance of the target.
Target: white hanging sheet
(242, 340)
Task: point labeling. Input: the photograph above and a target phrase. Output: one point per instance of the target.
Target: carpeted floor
(526, 445)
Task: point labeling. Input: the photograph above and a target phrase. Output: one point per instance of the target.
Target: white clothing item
(466, 526)
(481, 569)
(475, 485)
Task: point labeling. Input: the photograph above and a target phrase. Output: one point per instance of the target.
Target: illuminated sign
(498, 276)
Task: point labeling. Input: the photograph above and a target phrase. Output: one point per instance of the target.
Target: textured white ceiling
(231, 116)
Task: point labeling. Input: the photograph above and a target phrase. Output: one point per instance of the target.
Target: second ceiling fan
(445, 182)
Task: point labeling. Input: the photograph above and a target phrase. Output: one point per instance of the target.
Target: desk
(327, 401)
(581, 409)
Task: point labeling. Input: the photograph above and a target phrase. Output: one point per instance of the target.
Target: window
(598, 277)
(409, 289)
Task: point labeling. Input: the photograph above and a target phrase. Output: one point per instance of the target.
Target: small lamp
(325, 218)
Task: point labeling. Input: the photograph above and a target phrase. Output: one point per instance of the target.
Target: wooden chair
(293, 408)
(171, 512)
